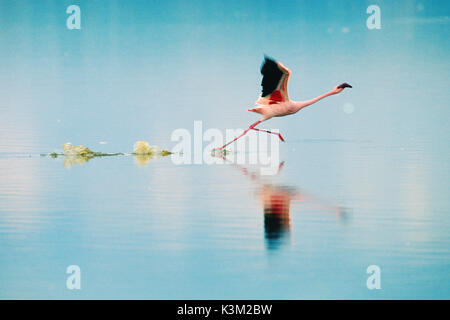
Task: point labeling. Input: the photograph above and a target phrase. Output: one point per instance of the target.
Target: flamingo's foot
(219, 152)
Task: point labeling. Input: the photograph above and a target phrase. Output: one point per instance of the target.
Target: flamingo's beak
(344, 85)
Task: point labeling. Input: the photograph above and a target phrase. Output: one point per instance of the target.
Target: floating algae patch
(142, 147)
(80, 151)
(165, 153)
(71, 150)
(143, 152)
(78, 154)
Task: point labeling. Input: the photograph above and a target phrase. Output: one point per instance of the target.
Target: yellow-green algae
(143, 152)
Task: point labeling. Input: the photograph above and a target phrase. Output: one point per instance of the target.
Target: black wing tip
(271, 75)
(268, 63)
(269, 58)
(344, 85)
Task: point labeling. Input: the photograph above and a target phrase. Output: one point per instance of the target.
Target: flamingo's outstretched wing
(274, 83)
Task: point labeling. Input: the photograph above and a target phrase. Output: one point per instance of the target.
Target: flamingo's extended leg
(243, 133)
(277, 133)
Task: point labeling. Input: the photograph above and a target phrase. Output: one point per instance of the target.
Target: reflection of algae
(143, 153)
(70, 160)
(143, 159)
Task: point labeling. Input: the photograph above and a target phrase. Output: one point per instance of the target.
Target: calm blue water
(364, 182)
(167, 231)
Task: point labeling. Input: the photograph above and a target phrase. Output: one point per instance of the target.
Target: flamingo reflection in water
(276, 201)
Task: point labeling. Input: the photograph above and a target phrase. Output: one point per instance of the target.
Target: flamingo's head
(341, 87)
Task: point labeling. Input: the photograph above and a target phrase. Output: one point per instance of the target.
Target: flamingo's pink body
(274, 100)
(279, 109)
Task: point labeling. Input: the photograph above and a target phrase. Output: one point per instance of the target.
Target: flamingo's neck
(301, 104)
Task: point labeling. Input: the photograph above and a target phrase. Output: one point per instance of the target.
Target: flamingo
(274, 100)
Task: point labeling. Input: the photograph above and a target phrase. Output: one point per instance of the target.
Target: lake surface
(160, 230)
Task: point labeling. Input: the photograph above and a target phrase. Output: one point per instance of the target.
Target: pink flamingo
(274, 100)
